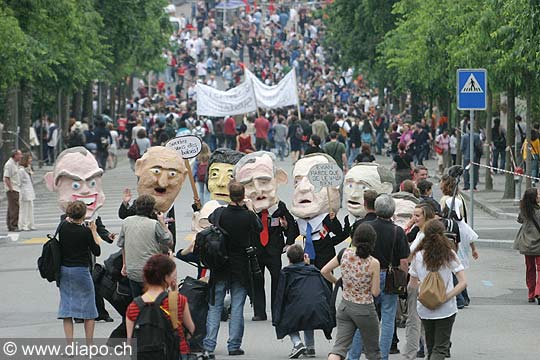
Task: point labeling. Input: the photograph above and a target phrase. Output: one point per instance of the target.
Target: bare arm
(130, 324)
(461, 285)
(375, 269)
(7, 182)
(326, 271)
(404, 264)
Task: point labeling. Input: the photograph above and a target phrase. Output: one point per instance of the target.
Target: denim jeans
(496, 154)
(309, 338)
(380, 141)
(534, 165)
(281, 148)
(204, 195)
(236, 323)
(353, 153)
(388, 305)
(475, 173)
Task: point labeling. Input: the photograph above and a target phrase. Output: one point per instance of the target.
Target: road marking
(490, 228)
(35, 241)
(487, 283)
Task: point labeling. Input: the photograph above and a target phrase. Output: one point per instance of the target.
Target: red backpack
(134, 152)
(202, 168)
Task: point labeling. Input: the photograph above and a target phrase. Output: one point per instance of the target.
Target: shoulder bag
(396, 279)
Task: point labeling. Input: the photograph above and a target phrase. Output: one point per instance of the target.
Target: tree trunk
(11, 123)
(64, 118)
(414, 106)
(112, 103)
(488, 146)
(26, 114)
(88, 102)
(77, 105)
(528, 124)
(509, 185)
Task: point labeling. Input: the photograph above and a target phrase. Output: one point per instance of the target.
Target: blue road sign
(471, 89)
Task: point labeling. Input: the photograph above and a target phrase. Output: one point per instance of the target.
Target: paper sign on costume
(189, 146)
(325, 175)
(273, 97)
(236, 101)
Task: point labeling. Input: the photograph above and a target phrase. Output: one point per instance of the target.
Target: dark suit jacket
(276, 234)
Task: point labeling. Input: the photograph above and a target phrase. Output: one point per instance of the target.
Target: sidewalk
(492, 201)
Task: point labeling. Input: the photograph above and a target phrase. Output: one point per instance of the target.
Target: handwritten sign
(325, 175)
(189, 146)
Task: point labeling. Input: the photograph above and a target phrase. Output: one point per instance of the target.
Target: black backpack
(156, 337)
(51, 257)
(211, 245)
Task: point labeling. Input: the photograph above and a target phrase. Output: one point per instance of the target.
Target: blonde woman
(27, 194)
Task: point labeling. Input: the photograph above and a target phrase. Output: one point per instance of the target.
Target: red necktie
(264, 232)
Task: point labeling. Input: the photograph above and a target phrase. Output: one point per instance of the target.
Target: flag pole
(253, 89)
(297, 96)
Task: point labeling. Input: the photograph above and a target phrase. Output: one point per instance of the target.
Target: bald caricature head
(364, 176)
(77, 176)
(308, 203)
(260, 176)
(161, 172)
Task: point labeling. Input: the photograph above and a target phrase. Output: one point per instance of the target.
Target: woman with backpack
(138, 147)
(367, 136)
(434, 259)
(77, 293)
(527, 241)
(159, 276)
(200, 170)
(403, 164)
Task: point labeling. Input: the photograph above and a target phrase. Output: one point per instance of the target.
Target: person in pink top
(262, 125)
(442, 148)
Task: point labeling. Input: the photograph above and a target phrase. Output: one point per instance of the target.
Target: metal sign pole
(472, 179)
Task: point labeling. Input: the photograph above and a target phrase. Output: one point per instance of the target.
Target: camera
(253, 262)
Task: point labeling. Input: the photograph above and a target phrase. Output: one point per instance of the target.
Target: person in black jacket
(260, 176)
(242, 226)
(302, 303)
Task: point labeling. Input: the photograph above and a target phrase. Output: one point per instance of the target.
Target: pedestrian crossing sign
(471, 89)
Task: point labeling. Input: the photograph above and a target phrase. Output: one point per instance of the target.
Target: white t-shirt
(419, 237)
(418, 270)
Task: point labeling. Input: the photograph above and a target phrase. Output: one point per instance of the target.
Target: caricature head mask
(362, 177)
(306, 202)
(161, 172)
(77, 176)
(220, 172)
(258, 173)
